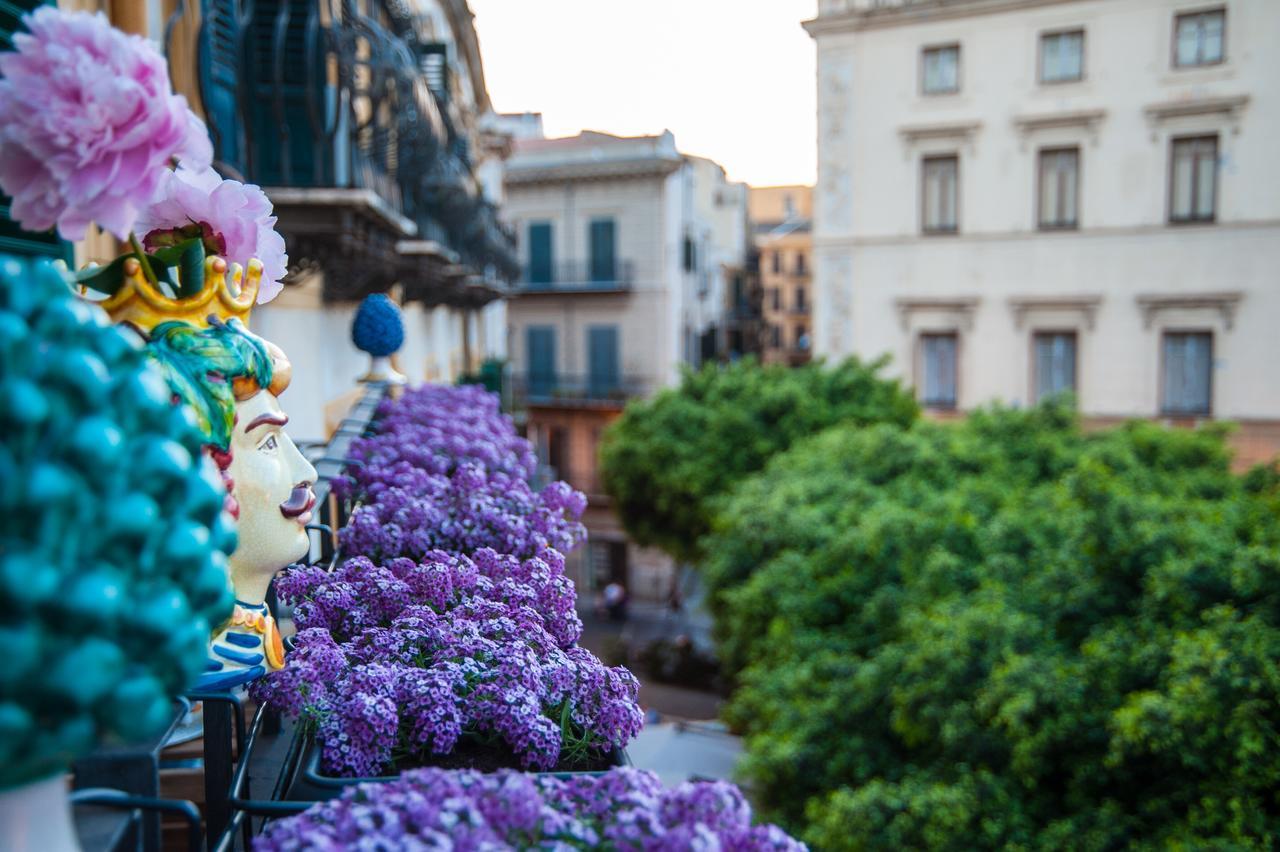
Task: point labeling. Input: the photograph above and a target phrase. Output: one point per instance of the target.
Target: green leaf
(186, 259)
(105, 279)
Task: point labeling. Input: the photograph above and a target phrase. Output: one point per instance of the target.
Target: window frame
(1164, 401)
(1040, 56)
(921, 391)
(1184, 14)
(1193, 218)
(925, 50)
(954, 228)
(1057, 225)
(1053, 331)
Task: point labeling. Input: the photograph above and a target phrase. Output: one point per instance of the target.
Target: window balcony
(577, 276)
(576, 391)
(341, 112)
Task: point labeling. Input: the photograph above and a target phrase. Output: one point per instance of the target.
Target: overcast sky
(732, 79)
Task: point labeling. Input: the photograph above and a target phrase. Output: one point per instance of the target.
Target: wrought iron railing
(579, 275)
(561, 389)
(344, 95)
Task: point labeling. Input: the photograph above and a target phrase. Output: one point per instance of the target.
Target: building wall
(880, 282)
(647, 342)
(782, 223)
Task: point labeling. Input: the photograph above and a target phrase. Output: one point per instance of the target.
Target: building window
(777, 261)
(940, 73)
(540, 258)
(1193, 191)
(1059, 188)
(601, 241)
(1187, 372)
(690, 255)
(602, 361)
(940, 177)
(802, 338)
(938, 373)
(1054, 353)
(1062, 57)
(1199, 38)
(775, 336)
(800, 263)
(775, 298)
(801, 302)
(540, 349)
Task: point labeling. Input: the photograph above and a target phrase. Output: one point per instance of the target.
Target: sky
(732, 79)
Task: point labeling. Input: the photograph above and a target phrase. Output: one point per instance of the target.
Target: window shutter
(602, 360)
(540, 260)
(603, 263)
(541, 344)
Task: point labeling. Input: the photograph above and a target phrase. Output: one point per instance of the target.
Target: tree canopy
(666, 459)
(1005, 633)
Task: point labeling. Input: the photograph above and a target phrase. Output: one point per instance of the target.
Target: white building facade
(627, 247)
(1020, 197)
(620, 233)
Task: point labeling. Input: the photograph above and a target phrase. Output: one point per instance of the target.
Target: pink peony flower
(234, 219)
(90, 124)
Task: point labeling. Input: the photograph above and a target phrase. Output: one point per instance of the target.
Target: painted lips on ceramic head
(300, 503)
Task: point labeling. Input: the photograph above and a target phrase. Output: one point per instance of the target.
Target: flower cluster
(91, 124)
(434, 429)
(624, 809)
(462, 512)
(452, 618)
(233, 219)
(93, 132)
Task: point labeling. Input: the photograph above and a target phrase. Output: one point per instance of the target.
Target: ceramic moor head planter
(232, 381)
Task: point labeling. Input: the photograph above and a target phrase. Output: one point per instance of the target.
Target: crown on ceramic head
(229, 292)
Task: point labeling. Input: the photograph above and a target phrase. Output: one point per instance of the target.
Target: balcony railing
(578, 276)
(346, 109)
(575, 390)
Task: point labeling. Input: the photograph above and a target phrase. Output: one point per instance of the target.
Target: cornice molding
(963, 305)
(1225, 303)
(962, 132)
(1085, 119)
(600, 170)
(1229, 108)
(1086, 305)
(896, 13)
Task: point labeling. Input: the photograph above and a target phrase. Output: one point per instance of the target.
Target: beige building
(782, 233)
(627, 248)
(1019, 197)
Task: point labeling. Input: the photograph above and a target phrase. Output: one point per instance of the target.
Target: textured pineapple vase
(378, 329)
(113, 547)
(232, 380)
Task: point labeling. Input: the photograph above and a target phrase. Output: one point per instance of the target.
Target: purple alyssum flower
(624, 809)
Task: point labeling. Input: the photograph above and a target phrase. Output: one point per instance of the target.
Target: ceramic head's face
(272, 486)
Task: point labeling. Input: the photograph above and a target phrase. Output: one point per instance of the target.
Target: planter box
(311, 784)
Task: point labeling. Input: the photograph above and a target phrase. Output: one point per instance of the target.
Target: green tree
(666, 459)
(1005, 633)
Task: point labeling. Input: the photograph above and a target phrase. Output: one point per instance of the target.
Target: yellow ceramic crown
(141, 304)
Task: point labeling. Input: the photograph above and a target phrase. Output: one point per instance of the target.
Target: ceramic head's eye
(270, 444)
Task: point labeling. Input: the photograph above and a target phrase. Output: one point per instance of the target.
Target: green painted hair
(200, 365)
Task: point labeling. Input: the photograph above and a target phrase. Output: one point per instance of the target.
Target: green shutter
(603, 264)
(602, 360)
(14, 240)
(540, 262)
(541, 344)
